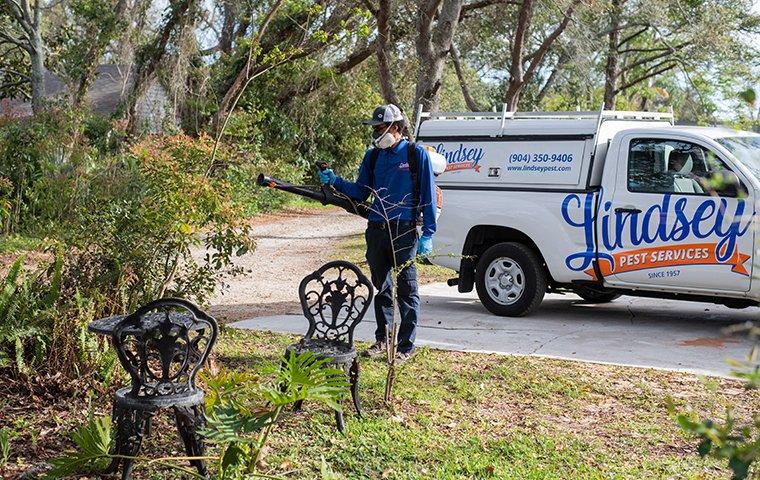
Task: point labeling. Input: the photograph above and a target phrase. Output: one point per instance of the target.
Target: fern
(242, 427)
(5, 446)
(93, 441)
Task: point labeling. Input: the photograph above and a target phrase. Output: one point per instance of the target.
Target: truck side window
(671, 166)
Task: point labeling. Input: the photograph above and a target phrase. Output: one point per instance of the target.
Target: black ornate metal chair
(162, 345)
(334, 300)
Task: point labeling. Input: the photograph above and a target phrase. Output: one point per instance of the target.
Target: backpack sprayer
(328, 195)
(325, 194)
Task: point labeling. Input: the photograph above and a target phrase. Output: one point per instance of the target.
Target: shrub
(144, 211)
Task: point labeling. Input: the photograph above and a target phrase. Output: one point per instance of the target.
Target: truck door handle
(627, 210)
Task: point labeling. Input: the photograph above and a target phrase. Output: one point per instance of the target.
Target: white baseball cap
(385, 114)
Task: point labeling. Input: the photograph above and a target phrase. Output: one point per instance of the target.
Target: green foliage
(5, 446)
(242, 414)
(144, 211)
(728, 439)
(93, 444)
(33, 155)
(27, 304)
(739, 445)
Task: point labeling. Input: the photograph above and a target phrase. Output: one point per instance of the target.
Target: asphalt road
(632, 331)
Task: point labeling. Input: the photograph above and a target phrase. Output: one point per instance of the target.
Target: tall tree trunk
(471, 103)
(151, 57)
(518, 76)
(229, 20)
(433, 45)
(37, 56)
(611, 71)
(243, 76)
(29, 18)
(382, 46)
(516, 73)
(96, 51)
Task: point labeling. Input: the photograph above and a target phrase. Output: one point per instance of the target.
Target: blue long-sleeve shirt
(393, 186)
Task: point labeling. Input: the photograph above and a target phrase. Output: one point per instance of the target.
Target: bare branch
(15, 72)
(548, 41)
(673, 64)
(658, 56)
(469, 7)
(15, 41)
(471, 103)
(643, 50)
(632, 36)
(12, 84)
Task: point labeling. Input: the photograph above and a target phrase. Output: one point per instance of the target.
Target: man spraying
(400, 176)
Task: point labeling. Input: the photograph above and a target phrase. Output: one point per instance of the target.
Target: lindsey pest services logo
(461, 158)
(712, 229)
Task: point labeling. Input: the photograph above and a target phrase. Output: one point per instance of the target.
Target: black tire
(533, 280)
(593, 295)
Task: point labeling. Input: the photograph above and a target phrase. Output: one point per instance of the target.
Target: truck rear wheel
(510, 280)
(593, 295)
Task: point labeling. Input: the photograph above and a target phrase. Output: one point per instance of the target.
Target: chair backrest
(334, 300)
(163, 345)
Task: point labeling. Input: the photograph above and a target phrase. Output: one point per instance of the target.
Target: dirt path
(290, 245)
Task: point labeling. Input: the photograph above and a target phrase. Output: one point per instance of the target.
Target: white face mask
(386, 140)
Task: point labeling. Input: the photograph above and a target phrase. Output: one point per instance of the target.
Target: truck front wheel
(510, 280)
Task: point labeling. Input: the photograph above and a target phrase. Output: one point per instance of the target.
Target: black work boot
(378, 348)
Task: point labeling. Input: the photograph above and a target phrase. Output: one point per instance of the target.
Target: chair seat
(337, 352)
(124, 398)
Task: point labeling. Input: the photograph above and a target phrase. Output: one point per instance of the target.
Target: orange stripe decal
(669, 256)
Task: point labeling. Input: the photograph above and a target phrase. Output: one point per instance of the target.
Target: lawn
(354, 248)
(456, 416)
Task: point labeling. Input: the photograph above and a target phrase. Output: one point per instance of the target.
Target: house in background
(155, 111)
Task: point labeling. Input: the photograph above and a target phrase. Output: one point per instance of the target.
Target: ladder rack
(600, 116)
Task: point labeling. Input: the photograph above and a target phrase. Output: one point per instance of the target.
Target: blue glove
(327, 176)
(425, 245)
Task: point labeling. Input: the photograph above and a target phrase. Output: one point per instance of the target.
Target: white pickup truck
(598, 203)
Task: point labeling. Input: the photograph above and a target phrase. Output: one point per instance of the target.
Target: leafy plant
(5, 446)
(241, 414)
(727, 439)
(93, 441)
(242, 427)
(740, 445)
(27, 305)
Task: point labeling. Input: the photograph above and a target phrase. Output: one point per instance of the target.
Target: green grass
(297, 202)
(455, 416)
(353, 249)
(18, 243)
(461, 416)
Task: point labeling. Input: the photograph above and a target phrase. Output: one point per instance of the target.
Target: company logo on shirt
(666, 222)
(461, 158)
(404, 167)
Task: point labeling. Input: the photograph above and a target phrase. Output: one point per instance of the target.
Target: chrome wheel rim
(505, 281)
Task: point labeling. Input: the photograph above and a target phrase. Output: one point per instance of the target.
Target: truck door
(677, 218)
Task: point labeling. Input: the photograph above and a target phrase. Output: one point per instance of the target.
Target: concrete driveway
(631, 331)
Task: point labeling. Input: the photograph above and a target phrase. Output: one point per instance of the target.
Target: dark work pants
(380, 258)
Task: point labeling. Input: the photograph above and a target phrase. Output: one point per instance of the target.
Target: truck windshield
(746, 149)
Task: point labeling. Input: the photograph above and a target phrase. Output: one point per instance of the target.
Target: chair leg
(113, 467)
(129, 436)
(339, 420)
(189, 421)
(353, 377)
